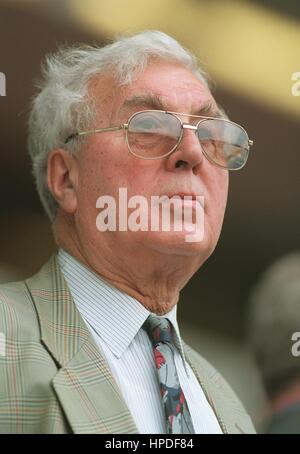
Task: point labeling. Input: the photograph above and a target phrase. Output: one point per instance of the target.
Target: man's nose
(188, 154)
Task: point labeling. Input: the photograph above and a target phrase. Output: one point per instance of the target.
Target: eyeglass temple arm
(93, 131)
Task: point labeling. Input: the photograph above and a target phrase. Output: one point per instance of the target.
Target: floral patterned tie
(178, 418)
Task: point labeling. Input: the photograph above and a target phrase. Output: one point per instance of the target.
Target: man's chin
(180, 243)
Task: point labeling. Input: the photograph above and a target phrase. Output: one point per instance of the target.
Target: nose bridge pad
(191, 128)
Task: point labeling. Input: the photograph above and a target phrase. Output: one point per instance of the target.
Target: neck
(153, 278)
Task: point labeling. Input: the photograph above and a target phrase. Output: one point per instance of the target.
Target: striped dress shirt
(115, 320)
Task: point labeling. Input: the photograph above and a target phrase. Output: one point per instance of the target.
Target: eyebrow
(149, 101)
(155, 102)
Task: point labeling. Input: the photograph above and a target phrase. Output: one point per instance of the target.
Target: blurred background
(251, 49)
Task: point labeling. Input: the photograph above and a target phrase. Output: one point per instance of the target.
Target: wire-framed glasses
(155, 134)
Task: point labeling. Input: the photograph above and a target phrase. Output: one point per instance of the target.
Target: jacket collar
(84, 384)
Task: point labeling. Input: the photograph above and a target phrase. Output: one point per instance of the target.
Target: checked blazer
(53, 378)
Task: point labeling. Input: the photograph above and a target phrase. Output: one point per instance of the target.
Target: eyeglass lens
(154, 134)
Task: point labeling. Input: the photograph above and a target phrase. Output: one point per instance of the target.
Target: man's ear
(62, 178)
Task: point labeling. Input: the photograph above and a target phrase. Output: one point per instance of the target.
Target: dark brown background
(262, 218)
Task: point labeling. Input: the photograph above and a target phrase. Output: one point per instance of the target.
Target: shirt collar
(114, 315)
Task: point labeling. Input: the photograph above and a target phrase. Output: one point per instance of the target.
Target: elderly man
(92, 343)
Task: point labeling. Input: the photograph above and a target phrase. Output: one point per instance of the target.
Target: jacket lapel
(231, 415)
(85, 387)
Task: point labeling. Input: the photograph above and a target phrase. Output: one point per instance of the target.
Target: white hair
(62, 104)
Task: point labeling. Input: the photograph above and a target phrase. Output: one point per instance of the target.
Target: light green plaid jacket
(53, 379)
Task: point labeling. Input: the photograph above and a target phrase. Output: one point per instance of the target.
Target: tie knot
(158, 329)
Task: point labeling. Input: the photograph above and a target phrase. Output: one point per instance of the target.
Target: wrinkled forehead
(168, 87)
(162, 86)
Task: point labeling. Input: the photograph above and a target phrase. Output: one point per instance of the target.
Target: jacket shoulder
(18, 319)
(27, 399)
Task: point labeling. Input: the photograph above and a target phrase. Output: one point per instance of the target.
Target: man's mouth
(187, 197)
(183, 195)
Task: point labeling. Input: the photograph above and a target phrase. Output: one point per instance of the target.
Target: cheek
(222, 189)
(137, 176)
(89, 184)
(101, 178)
(96, 171)
(218, 196)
